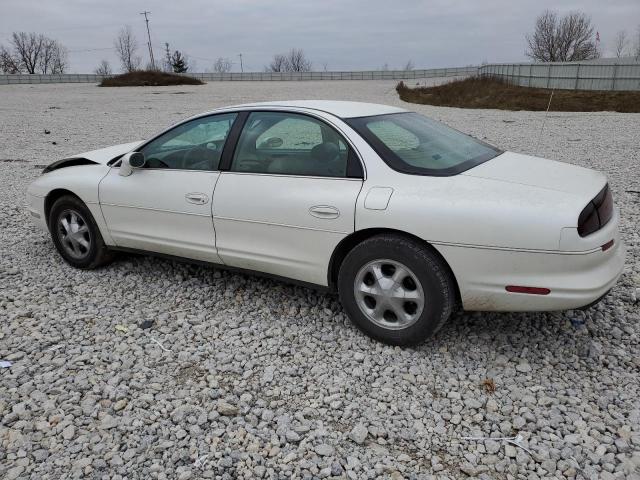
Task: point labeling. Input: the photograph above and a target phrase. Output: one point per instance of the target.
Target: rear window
(412, 143)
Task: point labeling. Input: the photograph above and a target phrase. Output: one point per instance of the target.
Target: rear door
(288, 197)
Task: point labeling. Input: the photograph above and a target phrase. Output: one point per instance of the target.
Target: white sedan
(406, 218)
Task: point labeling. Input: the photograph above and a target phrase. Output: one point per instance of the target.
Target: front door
(288, 198)
(165, 206)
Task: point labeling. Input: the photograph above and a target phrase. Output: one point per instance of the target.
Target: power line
(90, 49)
(146, 19)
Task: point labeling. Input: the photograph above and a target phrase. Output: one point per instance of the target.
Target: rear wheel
(396, 290)
(75, 234)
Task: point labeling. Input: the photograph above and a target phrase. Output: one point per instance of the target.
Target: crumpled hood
(103, 155)
(541, 173)
(100, 156)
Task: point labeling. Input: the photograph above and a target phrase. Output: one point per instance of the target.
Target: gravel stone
(225, 408)
(292, 436)
(359, 434)
(69, 432)
(108, 422)
(324, 450)
(261, 379)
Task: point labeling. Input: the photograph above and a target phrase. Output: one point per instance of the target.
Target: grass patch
(479, 92)
(149, 78)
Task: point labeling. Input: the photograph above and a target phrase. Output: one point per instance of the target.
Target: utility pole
(153, 63)
(241, 67)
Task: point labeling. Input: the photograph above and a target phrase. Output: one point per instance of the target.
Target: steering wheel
(197, 158)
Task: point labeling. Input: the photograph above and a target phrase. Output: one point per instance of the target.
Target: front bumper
(35, 207)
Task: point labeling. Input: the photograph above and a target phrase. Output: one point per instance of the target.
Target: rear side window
(412, 143)
(295, 133)
(285, 143)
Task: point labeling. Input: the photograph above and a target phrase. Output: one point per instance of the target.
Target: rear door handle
(197, 198)
(324, 211)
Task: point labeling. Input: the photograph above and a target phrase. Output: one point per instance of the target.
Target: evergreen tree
(179, 62)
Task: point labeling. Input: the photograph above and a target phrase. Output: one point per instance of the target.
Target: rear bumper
(575, 280)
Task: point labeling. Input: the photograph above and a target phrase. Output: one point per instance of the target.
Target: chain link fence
(261, 76)
(604, 74)
(593, 75)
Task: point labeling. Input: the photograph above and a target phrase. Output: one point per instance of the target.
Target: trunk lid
(541, 173)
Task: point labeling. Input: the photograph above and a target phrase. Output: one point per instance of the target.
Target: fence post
(575, 87)
(548, 75)
(613, 79)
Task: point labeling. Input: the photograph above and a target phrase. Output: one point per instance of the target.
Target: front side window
(195, 145)
(290, 144)
(412, 143)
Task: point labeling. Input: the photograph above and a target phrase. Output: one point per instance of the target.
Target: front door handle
(324, 211)
(197, 198)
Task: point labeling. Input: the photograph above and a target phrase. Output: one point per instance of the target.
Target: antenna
(544, 120)
(153, 63)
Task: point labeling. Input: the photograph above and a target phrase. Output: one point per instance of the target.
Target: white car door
(165, 206)
(288, 197)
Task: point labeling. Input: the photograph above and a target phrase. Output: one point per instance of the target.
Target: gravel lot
(241, 377)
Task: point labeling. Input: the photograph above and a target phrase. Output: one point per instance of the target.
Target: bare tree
(60, 60)
(636, 47)
(621, 44)
(385, 67)
(278, 64)
(126, 47)
(27, 48)
(103, 69)
(166, 62)
(562, 39)
(222, 65)
(8, 62)
(293, 61)
(297, 61)
(53, 57)
(34, 53)
(408, 66)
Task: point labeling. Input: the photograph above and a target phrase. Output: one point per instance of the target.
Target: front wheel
(75, 234)
(396, 290)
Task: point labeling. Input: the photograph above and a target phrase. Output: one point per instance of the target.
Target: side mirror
(130, 161)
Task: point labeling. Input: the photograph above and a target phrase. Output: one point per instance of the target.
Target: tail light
(597, 213)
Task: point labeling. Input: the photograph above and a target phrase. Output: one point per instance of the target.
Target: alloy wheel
(74, 234)
(389, 294)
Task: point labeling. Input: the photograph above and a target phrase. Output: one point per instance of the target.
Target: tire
(381, 281)
(75, 234)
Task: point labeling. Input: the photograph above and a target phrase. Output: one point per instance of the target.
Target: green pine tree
(178, 62)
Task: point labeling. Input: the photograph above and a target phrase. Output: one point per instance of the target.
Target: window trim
(396, 163)
(225, 162)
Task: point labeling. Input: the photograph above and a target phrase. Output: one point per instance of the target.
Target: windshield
(412, 143)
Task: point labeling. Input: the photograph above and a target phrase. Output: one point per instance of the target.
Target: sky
(335, 34)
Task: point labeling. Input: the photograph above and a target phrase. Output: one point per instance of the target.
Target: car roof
(338, 108)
